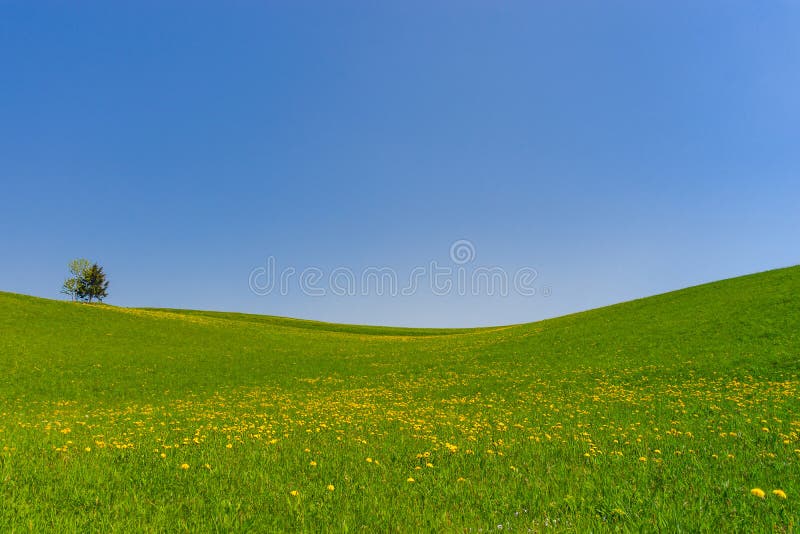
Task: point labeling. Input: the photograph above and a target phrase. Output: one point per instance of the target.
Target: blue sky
(620, 150)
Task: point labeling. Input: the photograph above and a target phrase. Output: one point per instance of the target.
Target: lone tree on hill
(77, 268)
(93, 284)
(88, 281)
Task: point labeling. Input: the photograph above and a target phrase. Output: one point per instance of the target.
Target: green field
(660, 414)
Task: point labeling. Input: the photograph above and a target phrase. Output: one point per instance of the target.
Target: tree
(93, 284)
(88, 281)
(77, 268)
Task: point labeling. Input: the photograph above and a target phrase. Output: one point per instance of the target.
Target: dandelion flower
(184, 466)
(409, 479)
(88, 449)
(330, 487)
(312, 463)
(779, 493)
(758, 492)
(294, 493)
(369, 460)
(229, 446)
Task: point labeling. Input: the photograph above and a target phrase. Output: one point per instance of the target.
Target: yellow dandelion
(88, 449)
(428, 464)
(229, 446)
(294, 493)
(779, 493)
(184, 466)
(758, 492)
(369, 460)
(642, 458)
(163, 455)
(312, 463)
(331, 487)
(409, 479)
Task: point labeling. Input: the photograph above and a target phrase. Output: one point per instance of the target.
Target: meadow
(677, 412)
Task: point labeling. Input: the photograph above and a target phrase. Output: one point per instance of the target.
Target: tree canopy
(88, 281)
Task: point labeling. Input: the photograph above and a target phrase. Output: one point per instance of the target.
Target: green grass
(659, 414)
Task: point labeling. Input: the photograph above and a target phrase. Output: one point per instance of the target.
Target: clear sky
(619, 149)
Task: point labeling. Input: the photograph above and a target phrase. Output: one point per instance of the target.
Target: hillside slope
(738, 324)
(657, 413)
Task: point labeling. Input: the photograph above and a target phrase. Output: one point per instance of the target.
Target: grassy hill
(657, 414)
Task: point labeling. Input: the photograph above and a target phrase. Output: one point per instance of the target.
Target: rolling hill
(664, 413)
